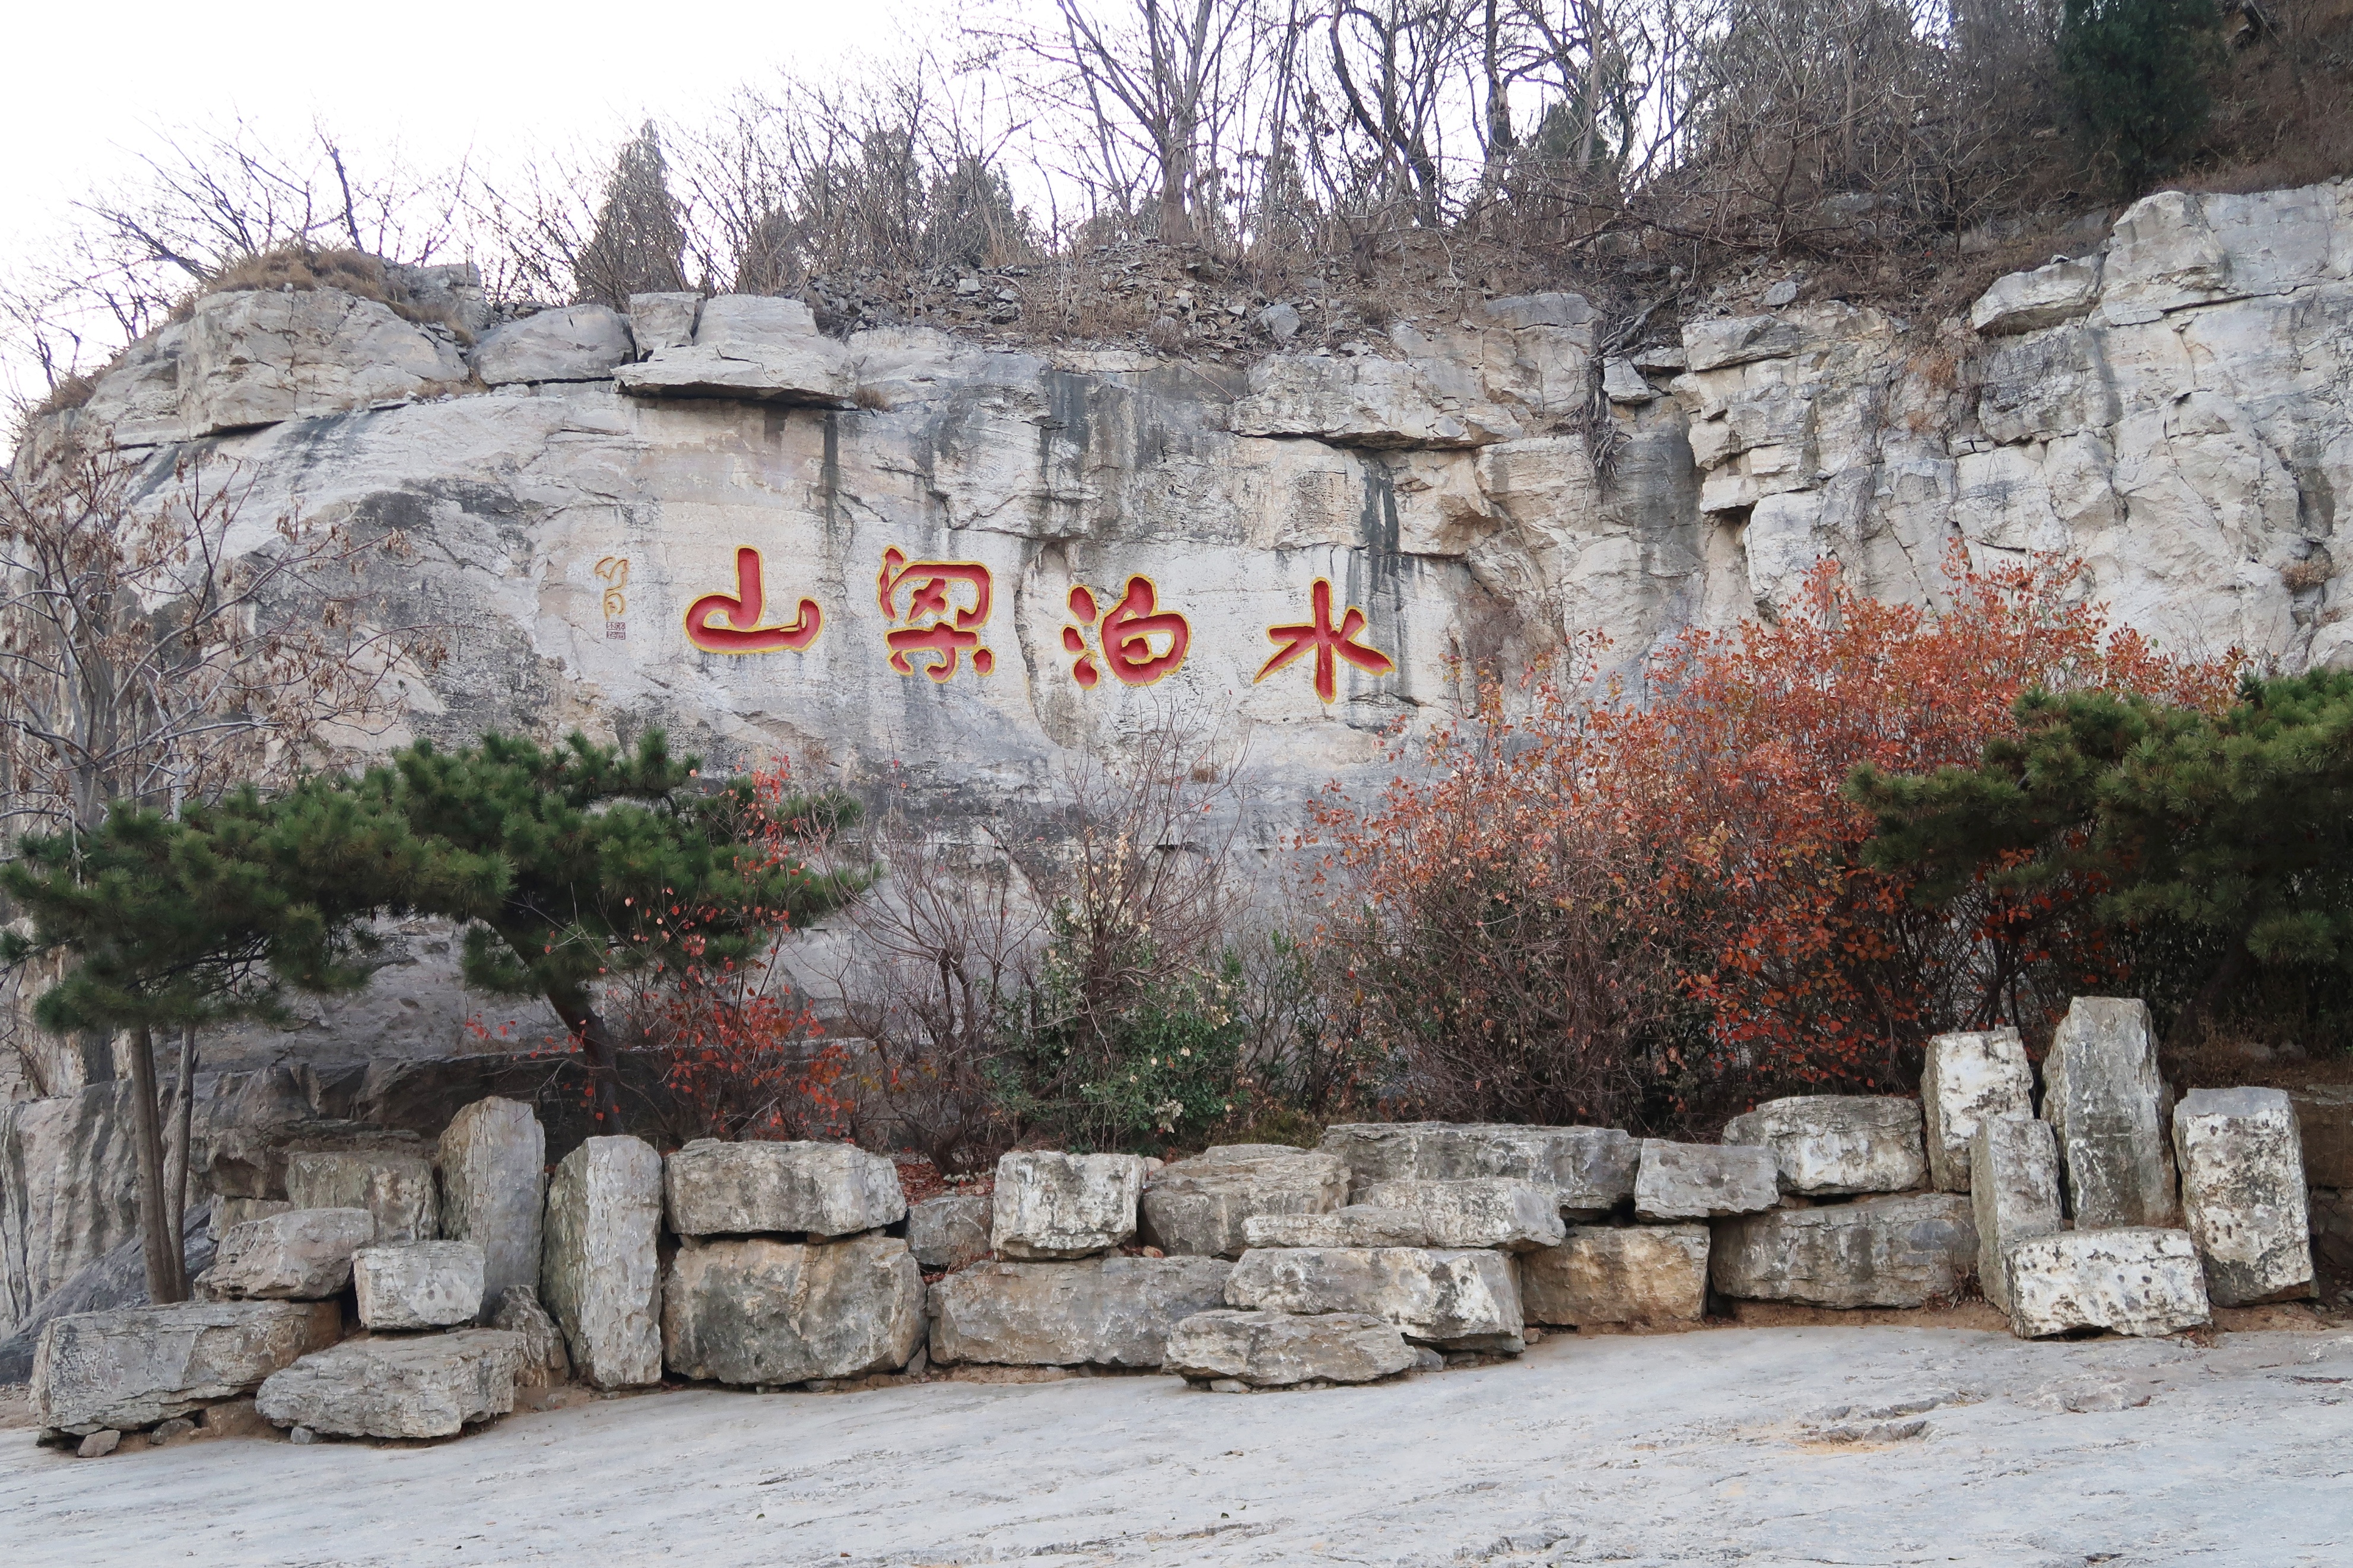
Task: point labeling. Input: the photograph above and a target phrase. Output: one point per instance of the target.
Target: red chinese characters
(1126, 634)
(947, 603)
(740, 613)
(1330, 644)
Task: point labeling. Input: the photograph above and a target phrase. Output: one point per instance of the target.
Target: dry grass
(71, 393)
(299, 268)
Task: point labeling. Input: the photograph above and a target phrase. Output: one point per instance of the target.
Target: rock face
(2324, 1119)
(423, 1285)
(1198, 1208)
(1459, 1300)
(759, 1311)
(948, 1232)
(1903, 1251)
(140, 1365)
(1838, 1144)
(1100, 1311)
(2243, 1194)
(2013, 1194)
(1051, 1204)
(494, 1189)
(1272, 1350)
(301, 1255)
(426, 1386)
(1477, 1211)
(598, 1268)
(748, 1189)
(1618, 1274)
(572, 343)
(254, 358)
(542, 1360)
(1968, 1078)
(1358, 1225)
(2103, 1099)
(1592, 1168)
(1704, 1180)
(2141, 1279)
(395, 1186)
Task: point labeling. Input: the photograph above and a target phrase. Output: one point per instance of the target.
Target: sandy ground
(1717, 1448)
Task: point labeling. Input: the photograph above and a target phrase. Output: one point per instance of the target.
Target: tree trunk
(176, 1185)
(603, 1058)
(2228, 974)
(159, 1233)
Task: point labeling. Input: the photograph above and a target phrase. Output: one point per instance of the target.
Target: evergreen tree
(2136, 73)
(637, 246)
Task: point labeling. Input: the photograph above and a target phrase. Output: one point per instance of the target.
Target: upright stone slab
(427, 1385)
(756, 1311)
(423, 1285)
(2243, 1194)
(1838, 1144)
(1969, 1078)
(2013, 1194)
(1704, 1180)
(395, 1185)
(1476, 1211)
(948, 1232)
(1618, 1274)
(1901, 1251)
(1049, 1204)
(1275, 1350)
(802, 1188)
(1198, 1208)
(1591, 1167)
(1099, 1311)
(2324, 1118)
(1459, 1300)
(494, 1190)
(597, 1270)
(139, 1365)
(2142, 1279)
(2101, 1096)
(543, 1359)
(1358, 1224)
(297, 1255)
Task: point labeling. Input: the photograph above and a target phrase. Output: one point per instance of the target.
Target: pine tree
(2136, 73)
(637, 246)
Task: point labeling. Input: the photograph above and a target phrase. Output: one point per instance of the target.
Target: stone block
(2013, 1194)
(1272, 1350)
(423, 1285)
(2028, 301)
(1198, 1208)
(2243, 1194)
(395, 1185)
(1477, 1211)
(1618, 1274)
(1100, 1311)
(1704, 1180)
(139, 1365)
(754, 347)
(1456, 1299)
(1358, 1225)
(2141, 1279)
(493, 1159)
(1051, 1204)
(255, 357)
(1968, 1078)
(229, 1213)
(760, 1312)
(2101, 1096)
(1903, 1251)
(659, 322)
(543, 1359)
(2324, 1117)
(299, 1255)
(1591, 1167)
(424, 1385)
(572, 343)
(948, 1232)
(598, 1274)
(718, 1188)
(1838, 1144)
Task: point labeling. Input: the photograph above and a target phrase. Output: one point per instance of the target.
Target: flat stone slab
(2143, 1280)
(423, 1285)
(1704, 1180)
(139, 1365)
(395, 1185)
(297, 1255)
(1273, 1350)
(494, 1158)
(1200, 1207)
(1457, 1300)
(1838, 1144)
(571, 342)
(2103, 1096)
(756, 1311)
(1358, 1224)
(1896, 1251)
(600, 1276)
(2243, 1194)
(1475, 1211)
(1100, 1312)
(1049, 1204)
(1969, 1076)
(424, 1386)
(1592, 1167)
(754, 1188)
(948, 1232)
(2013, 1194)
(1618, 1274)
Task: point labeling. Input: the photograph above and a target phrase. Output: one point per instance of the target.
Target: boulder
(428, 1385)
(395, 1185)
(117, 1279)
(254, 358)
(717, 1188)
(2141, 1279)
(1358, 1224)
(2013, 1194)
(1271, 1350)
(301, 1255)
(2243, 1194)
(1703, 1181)
(1102, 1312)
(572, 342)
(423, 1285)
(139, 1365)
(750, 346)
(543, 1359)
(1592, 1167)
(1838, 1144)
(1051, 1204)
(229, 1213)
(1903, 1251)
(1968, 1078)
(598, 1271)
(493, 1161)
(948, 1232)
(1198, 1208)
(2103, 1099)
(1618, 1274)
(2324, 1119)
(1477, 1211)
(1456, 1299)
(762, 1312)
(659, 321)
(2029, 301)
